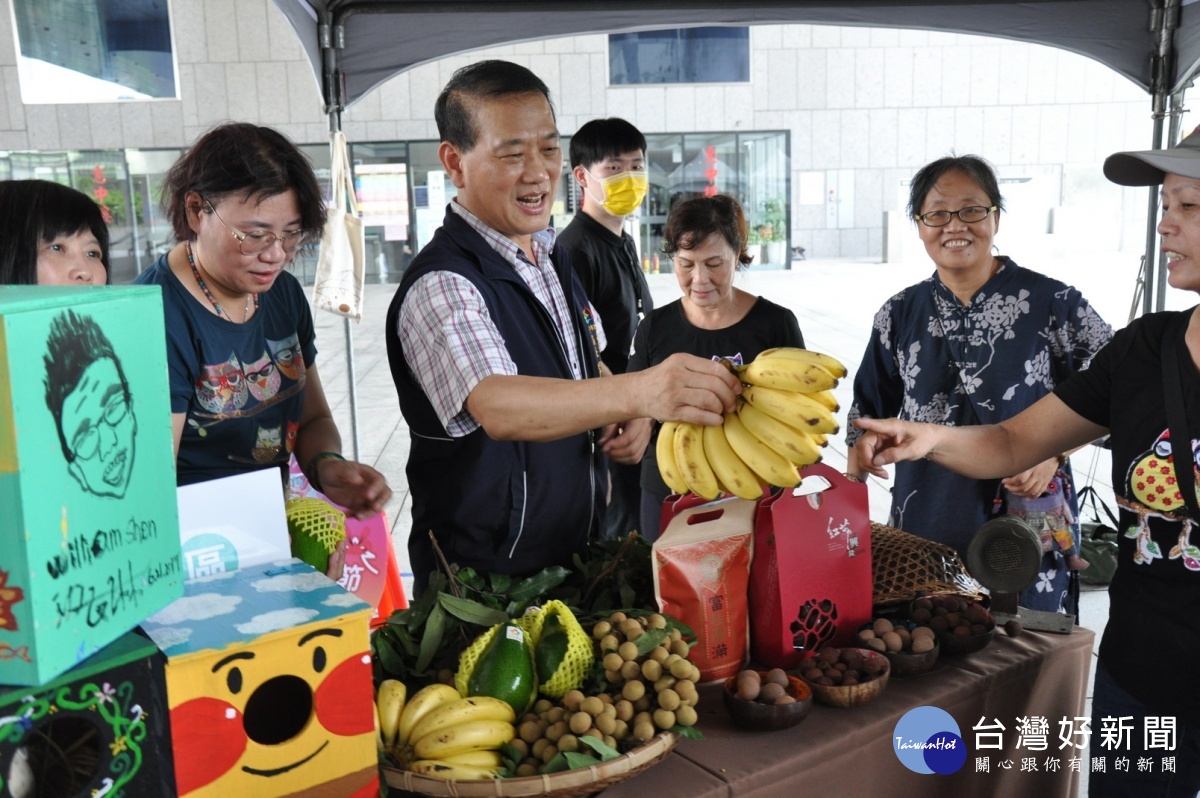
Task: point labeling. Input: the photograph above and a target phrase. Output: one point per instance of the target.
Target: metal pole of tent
(332, 39)
(1163, 21)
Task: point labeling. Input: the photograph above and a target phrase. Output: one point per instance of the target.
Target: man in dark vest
(495, 351)
(608, 161)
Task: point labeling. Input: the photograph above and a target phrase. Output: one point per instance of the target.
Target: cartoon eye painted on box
(269, 685)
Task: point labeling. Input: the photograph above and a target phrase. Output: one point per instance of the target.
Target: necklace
(212, 300)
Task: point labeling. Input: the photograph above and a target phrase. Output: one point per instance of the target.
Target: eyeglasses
(87, 443)
(258, 241)
(968, 215)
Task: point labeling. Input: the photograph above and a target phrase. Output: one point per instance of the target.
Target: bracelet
(1062, 460)
(311, 471)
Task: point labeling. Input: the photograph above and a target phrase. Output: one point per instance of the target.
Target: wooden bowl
(906, 663)
(756, 716)
(953, 644)
(854, 695)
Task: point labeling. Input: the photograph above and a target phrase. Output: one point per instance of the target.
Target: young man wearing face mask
(608, 159)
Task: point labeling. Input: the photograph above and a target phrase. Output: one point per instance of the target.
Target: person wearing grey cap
(1143, 389)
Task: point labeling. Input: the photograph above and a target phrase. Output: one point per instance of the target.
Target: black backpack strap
(1181, 438)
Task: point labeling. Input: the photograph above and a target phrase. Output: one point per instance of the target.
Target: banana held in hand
(734, 475)
(830, 364)
(794, 444)
(476, 735)
(442, 769)
(664, 452)
(426, 700)
(772, 467)
(793, 408)
(781, 370)
(464, 710)
(827, 399)
(389, 702)
(692, 462)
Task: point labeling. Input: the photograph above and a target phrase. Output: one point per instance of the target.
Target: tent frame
(1166, 91)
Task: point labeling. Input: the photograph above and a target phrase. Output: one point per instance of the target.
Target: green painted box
(89, 527)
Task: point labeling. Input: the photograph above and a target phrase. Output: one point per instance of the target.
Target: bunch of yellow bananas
(441, 734)
(783, 418)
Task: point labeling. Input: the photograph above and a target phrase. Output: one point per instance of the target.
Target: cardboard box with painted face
(98, 729)
(89, 530)
(269, 685)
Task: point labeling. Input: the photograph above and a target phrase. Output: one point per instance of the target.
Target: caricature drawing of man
(88, 395)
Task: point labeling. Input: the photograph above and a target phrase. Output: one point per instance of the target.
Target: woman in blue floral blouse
(976, 343)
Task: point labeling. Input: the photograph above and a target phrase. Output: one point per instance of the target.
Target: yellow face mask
(623, 192)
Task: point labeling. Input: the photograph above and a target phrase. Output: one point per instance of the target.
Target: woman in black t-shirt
(1144, 389)
(706, 238)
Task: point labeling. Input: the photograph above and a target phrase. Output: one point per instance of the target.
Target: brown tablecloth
(850, 751)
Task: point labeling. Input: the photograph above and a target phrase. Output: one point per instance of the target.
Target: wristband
(311, 471)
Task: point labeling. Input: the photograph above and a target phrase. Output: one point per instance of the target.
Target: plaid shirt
(449, 338)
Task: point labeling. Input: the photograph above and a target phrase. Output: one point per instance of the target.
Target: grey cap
(1149, 167)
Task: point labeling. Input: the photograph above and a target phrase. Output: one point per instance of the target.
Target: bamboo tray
(565, 784)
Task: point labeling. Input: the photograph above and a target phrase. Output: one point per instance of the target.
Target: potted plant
(774, 231)
(754, 246)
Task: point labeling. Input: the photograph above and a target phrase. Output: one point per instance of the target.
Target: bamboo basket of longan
(564, 784)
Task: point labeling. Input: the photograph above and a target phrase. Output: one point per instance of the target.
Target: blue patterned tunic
(931, 358)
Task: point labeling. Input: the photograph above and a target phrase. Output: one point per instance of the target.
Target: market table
(850, 751)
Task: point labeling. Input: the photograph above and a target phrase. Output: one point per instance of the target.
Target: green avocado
(551, 648)
(505, 670)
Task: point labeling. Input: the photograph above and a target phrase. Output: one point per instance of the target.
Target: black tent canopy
(355, 45)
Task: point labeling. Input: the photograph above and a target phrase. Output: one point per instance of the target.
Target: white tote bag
(341, 265)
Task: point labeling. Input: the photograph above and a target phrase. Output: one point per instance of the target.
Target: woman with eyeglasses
(976, 343)
(245, 393)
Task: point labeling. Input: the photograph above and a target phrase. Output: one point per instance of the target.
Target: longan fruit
(643, 731)
(635, 632)
(610, 711)
(664, 719)
(556, 714)
(610, 741)
(656, 621)
(609, 643)
(549, 753)
(642, 716)
(922, 644)
(613, 661)
(686, 689)
(892, 641)
(652, 670)
(659, 654)
(591, 705)
(580, 723)
(681, 669)
(568, 742)
(542, 705)
(665, 683)
(631, 670)
(594, 733)
(680, 647)
(606, 724)
(686, 716)
(866, 634)
(923, 631)
(527, 769)
(882, 625)
(617, 617)
(633, 690)
(539, 746)
(625, 709)
(555, 731)
(628, 650)
(622, 730)
(613, 677)
(601, 629)
(669, 699)
(530, 731)
(520, 746)
(572, 699)
(642, 704)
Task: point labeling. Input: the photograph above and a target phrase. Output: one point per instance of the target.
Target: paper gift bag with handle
(810, 585)
(341, 265)
(701, 567)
